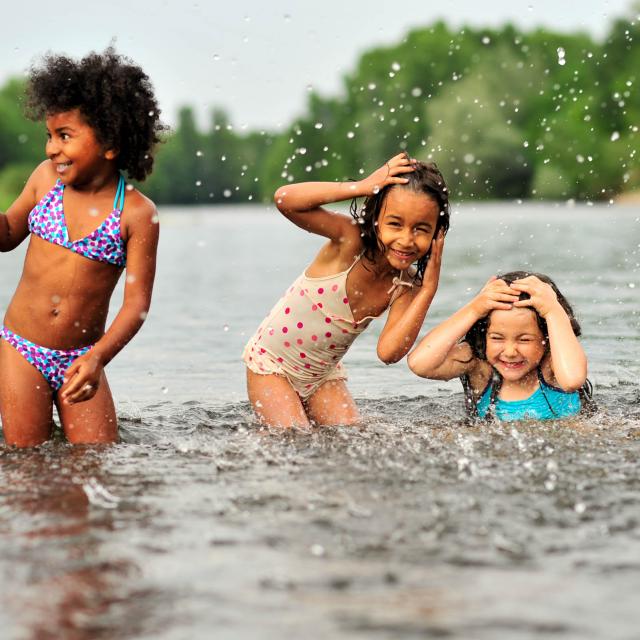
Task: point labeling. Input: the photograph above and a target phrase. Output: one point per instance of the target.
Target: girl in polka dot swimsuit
(386, 256)
(85, 226)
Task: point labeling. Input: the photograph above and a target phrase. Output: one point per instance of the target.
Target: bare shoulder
(42, 179)
(139, 217)
(138, 209)
(480, 371)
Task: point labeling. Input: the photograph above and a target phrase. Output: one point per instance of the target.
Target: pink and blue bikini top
(105, 244)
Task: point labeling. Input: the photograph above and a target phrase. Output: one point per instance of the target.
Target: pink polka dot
(301, 292)
(271, 332)
(262, 351)
(287, 344)
(334, 288)
(307, 386)
(299, 341)
(280, 360)
(314, 307)
(327, 320)
(320, 304)
(284, 329)
(332, 346)
(314, 338)
(303, 354)
(299, 325)
(287, 310)
(328, 334)
(344, 331)
(307, 366)
(345, 300)
(320, 290)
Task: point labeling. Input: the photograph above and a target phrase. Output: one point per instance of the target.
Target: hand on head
(432, 272)
(496, 294)
(391, 172)
(542, 296)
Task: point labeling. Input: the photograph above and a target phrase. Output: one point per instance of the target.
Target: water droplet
(416, 92)
(198, 183)
(226, 193)
(395, 66)
(225, 327)
(318, 125)
(199, 154)
(376, 189)
(216, 57)
(131, 278)
(615, 136)
(317, 550)
(486, 40)
(350, 134)
(165, 390)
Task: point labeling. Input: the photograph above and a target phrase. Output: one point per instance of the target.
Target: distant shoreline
(629, 197)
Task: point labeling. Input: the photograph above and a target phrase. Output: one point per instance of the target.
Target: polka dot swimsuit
(307, 333)
(104, 244)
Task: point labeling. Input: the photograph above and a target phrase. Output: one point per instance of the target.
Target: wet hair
(477, 334)
(114, 96)
(425, 178)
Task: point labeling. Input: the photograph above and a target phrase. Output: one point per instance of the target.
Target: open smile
(512, 366)
(61, 167)
(403, 255)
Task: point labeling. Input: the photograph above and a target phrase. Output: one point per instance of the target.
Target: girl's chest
(368, 296)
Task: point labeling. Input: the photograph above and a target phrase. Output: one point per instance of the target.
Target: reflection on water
(412, 525)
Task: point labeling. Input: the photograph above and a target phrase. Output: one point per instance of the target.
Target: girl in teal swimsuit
(515, 348)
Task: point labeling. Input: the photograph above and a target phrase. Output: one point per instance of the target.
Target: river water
(199, 524)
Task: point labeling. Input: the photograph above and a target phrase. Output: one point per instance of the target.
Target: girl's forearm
(398, 339)
(124, 326)
(568, 359)
(304, 196)
(434, 348)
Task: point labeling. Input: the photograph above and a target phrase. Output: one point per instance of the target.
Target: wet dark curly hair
(425, 178)
(114, 96)
(477, 334)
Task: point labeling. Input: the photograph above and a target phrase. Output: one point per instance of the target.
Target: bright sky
(258, 58)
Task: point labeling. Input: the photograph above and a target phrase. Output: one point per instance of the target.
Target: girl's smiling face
(406, 226)
(515, 345)
(74, 150)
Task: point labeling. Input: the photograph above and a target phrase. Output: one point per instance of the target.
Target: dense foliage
(504, 113)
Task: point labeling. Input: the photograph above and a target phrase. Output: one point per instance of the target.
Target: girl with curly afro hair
(85, 226)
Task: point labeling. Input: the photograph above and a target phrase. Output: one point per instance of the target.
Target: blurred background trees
(505, 114)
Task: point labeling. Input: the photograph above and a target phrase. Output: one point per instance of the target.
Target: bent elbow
(415, 367)
(279, 198)
(388, 357)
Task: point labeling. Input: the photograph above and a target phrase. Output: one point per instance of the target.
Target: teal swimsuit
(545, 403)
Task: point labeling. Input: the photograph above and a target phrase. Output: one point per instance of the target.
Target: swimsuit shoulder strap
(118, 201)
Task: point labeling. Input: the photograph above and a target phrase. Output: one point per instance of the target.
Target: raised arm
(302, 203)
(408, 312)
(440, 354)
(142, 243)
(568, 360)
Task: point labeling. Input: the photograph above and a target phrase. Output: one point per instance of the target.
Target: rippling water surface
(198, 524)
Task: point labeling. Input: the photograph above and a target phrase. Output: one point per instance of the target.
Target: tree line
(505, 113)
